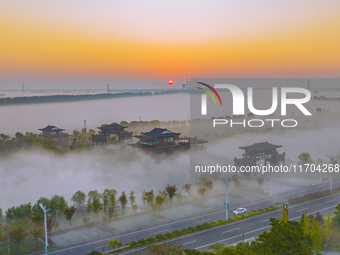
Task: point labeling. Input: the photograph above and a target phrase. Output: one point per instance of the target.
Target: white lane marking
(158, 232)
(206, 220)
(330, 201)
(230, 230)
(304, 209)
(135, 232)
(315, 212)
(232, 237)
(189, 242)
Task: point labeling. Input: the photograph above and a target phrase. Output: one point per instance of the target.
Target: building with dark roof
(260, 151)
(54, 133)
(111, 130)
(164, 140)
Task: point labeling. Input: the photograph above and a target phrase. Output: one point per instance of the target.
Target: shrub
(133, 244)
(199, 227)
(151, 239)
(253, 211)
(159, 236)
(184, 230)
(191, 229)
(142, 241)
(222, 220)
(95, 253)
(177, 232)
(206, 225)
(168, 234)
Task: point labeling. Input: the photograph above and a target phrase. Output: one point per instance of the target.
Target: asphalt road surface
(228, 234)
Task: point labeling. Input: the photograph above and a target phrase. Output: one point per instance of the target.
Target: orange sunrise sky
(177, 39)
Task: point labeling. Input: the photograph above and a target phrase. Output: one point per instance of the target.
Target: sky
(175, 39)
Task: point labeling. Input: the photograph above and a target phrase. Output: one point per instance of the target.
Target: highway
(228, 234)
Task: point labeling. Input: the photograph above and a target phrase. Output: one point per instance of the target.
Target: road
(229, 233)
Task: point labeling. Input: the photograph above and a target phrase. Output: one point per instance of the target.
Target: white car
(239, 211)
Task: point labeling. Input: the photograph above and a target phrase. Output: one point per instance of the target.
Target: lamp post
(226, 196)
(331, 158)
(43, 207)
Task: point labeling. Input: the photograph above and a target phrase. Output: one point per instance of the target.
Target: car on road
(239, 211)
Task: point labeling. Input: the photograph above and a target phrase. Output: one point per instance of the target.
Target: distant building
(111, 130)
(54, 133)
(163, 140)
(260, 151)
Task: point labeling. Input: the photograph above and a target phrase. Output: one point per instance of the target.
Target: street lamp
(332, 158)
(43, 207)
(226, 196)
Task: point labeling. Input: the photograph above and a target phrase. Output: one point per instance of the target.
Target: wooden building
(163, 140)
(111, 130)
(260, 151)
(54, 133)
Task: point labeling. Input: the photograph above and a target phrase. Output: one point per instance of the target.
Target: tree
(284, 217)
(164, 249)
(132, 198)
(51, 224)
(38, 219)
(316, 237)
(201, 191)
(305, 158)
(68, 212)
(171, 191)
(17, 234)
(187, 187)
(149, 197)
(114, 243)
(105, 201)
(88, 205)
(113, 200)
(327, 226)
(86, 220)
(179, 197)
(135, 207)
(123, 201)
(217, 247)
(109, 192)
(283, 238)
(159, 201)
(97, 206)
(36, 231)
(111, 212)
(94, 194)
(209, 184)
(79, 198)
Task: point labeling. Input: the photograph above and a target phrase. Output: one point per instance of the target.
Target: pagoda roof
(265, 146)
(160, 132)
(51, 128)
(112, 127)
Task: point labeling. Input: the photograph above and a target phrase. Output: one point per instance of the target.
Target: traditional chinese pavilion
(54, 133)
(109, 130)
(260, 151)
(163, 140)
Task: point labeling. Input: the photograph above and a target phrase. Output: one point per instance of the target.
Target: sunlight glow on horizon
(75, 39)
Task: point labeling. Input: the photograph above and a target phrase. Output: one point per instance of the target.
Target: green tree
(316, 237)
(109, 192)
(135, 207)
(327, 227)
(283, 238)
(165, 249)
(69, 212)
(97, 206)
(111, 213)
(51, 224)
(187, 187)
(159, 201)
(88, 205)
(36, 231)
(93, 195)
(105, 202)
(132, 198)
(171, 191)
(305, 158)
(201, 192)
(217, 247)
(123, 201)
(79, 198)
(113, 200)
(149, 197)
(17, 234)
(114, 243)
